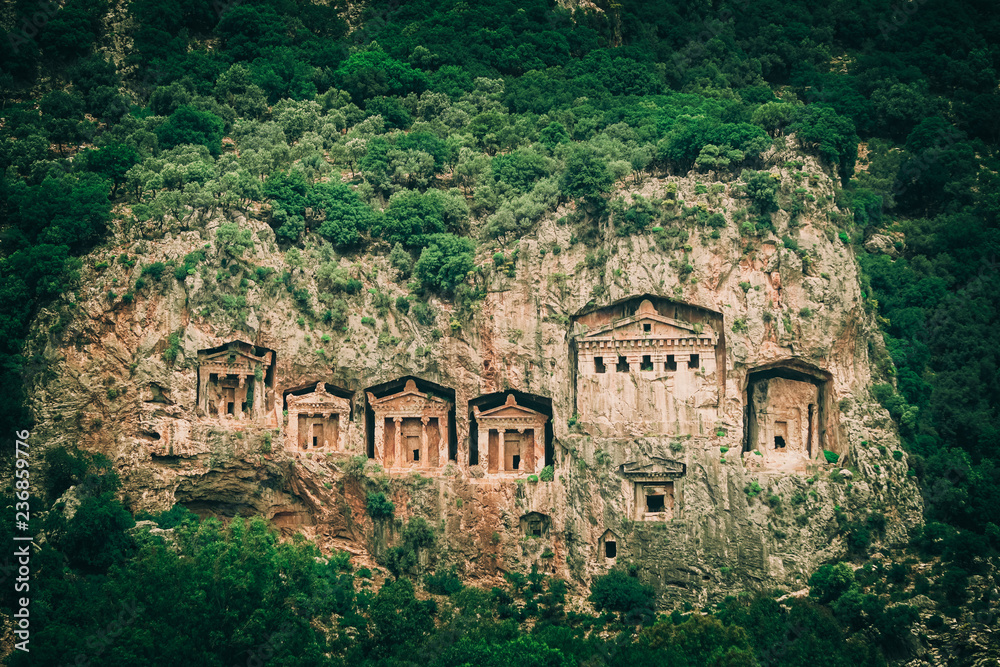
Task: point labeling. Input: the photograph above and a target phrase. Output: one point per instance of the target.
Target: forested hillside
(436, 133)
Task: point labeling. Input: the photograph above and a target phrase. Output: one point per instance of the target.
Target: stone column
(484, 447)
(292, 441)
(379, 445)
(501, 450)
(238, 397)
(443, 441)
(398, 442)
(258, 398)
(343, 423)
(528, 452)
(425, 453)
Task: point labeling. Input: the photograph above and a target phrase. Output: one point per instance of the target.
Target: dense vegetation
(431, 127)
(214, 594)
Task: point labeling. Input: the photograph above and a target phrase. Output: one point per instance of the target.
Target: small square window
(647, 327)
(647, 363)
(622, 365)
(671, 364)
(599, 365)
(693, 361)
(655, 504)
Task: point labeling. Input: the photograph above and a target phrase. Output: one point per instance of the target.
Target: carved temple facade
(511, 438)
(648, 372)
(784, 421)
(656, 485)
(317, 421)
(411, 429)
(232, 381)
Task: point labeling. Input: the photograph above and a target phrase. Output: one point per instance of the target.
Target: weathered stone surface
(681, 434)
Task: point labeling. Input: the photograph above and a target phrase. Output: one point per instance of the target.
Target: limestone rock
(675, 391)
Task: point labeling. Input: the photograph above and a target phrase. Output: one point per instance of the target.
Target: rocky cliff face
(709, 476)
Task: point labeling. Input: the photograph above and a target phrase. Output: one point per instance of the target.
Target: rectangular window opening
(693, 361)
(655, 504)
(516, 462)
(671, 364)
(647, 327)
(230, 408)
(647, 362)
(622, 365)
(416, 454)
(599, 365)
(610, 549)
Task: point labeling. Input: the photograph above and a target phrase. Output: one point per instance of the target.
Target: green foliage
(191, 126)
(547, 474)
(761, 188)
(96, 538)
(173, 348)
(445, 262)
(444, 582)
(63, 469)
(346, 217)
(618, 592)
(233, 240)
(380, 507)
(586, 174)
(830, 582)
(413, 218)
(831, 457)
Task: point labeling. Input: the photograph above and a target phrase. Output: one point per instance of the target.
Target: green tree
(618, 592)
(445, 262)
(190, 126)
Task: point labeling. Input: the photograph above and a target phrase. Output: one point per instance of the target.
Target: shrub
(445, 262)
(548, 474)
(830, 582)
(533, 479)
(380, 507)
(618, 592)
(831, 457)
(444, 582)
(753, 489)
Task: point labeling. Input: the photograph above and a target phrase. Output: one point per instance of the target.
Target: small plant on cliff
(548, 474)
(533, 479)
(753, 489)
(355, 466)
(831, 457)
(380, 507)
(173, 348)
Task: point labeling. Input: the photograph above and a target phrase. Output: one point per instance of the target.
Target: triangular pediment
(408, 399)
(510, 409)
(653, 467)
(631, 327)
(231, 357)
(320, 397)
